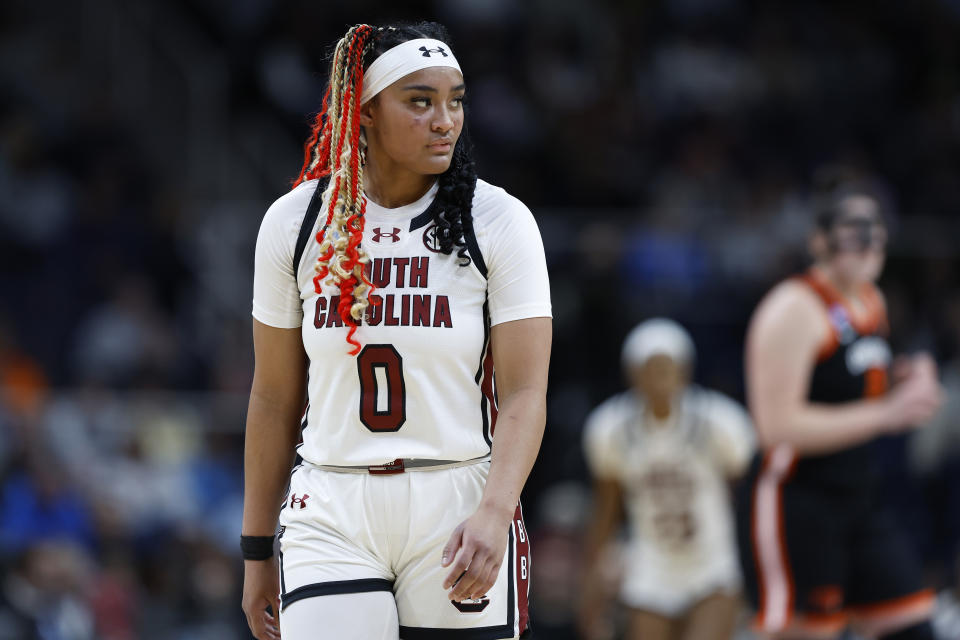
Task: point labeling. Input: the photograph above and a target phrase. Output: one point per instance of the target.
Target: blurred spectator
(23, 384)
(37, 503)
(43, 595)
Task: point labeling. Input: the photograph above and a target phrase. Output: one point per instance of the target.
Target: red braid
(311, 146)
(347, 205)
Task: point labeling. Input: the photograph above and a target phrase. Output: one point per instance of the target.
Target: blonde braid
(342, 260)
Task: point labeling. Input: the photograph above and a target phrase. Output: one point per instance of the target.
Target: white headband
(657, 336)
(404, 59)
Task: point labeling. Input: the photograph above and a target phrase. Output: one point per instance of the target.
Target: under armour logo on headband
(427, 52)
(404, 59)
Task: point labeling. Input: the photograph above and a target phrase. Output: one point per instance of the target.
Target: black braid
(452, 207)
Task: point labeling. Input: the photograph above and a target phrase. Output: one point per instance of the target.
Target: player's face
(660, 377)
(858, 241)
(416, 122)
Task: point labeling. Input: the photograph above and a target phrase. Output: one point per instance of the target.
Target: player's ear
(817, 245)
(366, 112)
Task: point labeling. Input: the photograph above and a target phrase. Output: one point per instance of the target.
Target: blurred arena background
(665, 148)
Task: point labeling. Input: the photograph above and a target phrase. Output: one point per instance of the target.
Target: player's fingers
(457, 572)
(258, 629)
(465, 587)
(488, 581)
(458, 568)
(262, 625)
(271, 630)
(268, 633)
(252, 621)
(450, 549)
(485, 579)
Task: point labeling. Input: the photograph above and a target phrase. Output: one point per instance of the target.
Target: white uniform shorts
(671, 591)
(347, 532)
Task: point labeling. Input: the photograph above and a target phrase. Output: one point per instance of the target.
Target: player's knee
(920, 631)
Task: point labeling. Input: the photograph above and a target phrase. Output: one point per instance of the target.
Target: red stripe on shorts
(522, 560)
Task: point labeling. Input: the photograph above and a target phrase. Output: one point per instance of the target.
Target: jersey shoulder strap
(306, 227)
(821, 289)
(473, 247)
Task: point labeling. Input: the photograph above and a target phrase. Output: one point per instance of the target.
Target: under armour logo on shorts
(427, 52)
(302, 501)
(378, 234)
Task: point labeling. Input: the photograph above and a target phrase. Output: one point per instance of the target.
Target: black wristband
(256, 547)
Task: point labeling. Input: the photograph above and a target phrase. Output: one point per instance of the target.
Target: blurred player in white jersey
(391, 282)
(662, 454)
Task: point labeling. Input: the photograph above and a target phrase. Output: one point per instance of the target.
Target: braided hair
(336, 149)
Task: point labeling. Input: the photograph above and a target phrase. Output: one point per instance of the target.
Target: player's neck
(391, 186)
(659, 408)
(849, 289)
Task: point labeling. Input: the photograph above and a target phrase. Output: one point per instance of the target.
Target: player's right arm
(273, 421)
(606, 518)
(784, 338)
(276, 398)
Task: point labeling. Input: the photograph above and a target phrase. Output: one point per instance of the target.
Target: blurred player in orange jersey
(819, 547)
(661, 455)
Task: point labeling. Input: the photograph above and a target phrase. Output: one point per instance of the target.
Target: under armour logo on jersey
(302, 501)
(427, 52)
(378, 235)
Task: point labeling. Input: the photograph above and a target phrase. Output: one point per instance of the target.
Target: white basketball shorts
(356, 532)
(671, 591)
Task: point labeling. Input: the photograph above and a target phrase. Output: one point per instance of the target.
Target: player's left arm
(475, 551)
(731, 434)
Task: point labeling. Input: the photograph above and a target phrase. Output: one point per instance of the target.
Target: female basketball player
(820, 549)
(663, 452)
(416, 281)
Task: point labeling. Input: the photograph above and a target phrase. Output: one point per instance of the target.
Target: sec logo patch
(430, 239)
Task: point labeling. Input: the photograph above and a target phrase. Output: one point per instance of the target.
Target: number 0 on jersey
(383, 402)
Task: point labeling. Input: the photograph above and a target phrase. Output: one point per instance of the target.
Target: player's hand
(261, 589)
(918, 395)
(474, 554)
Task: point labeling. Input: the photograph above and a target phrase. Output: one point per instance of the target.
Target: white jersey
(422, 386)
(674, 476)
